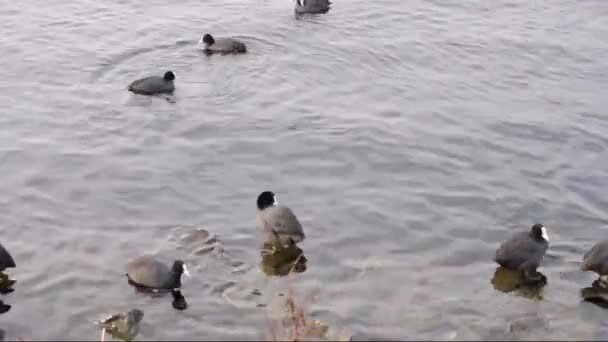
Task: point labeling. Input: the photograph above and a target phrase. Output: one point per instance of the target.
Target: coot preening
(221, 45)
(312, 6)
(153, 85)
(524, 252)
(277, 223)
(148, 272)
(596, 260)
(124, 325)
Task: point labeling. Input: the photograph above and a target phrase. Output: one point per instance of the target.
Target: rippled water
(410, 138)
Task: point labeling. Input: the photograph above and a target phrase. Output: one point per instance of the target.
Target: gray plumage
(221, 45)
(276, 222)
(524, 251)
(6, 260)
(596, 259)
(312, 6)
(148, 272)
(153, 85)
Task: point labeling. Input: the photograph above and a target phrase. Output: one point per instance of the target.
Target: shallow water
(410, 138)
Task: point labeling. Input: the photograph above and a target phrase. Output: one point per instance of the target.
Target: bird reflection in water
(506, 280)
(179, 301)
(596, 294)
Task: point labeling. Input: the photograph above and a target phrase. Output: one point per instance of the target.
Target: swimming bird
(221, 45)
(277, 223)
(153, 85)
(124, 325)
(6, 260)
(150, 273)
(596, 260)
(312, 6)
(524, 252)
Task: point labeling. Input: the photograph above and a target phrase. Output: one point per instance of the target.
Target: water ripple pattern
(410, 137)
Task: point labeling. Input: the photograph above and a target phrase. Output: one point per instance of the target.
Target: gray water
(410, 138)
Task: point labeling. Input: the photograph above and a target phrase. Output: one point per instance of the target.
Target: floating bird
(150, 273)
(153, 85)
(222, 45)
(312, 6)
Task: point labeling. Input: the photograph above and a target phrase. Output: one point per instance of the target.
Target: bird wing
(280, 221)
(149, 272)
(518, 250)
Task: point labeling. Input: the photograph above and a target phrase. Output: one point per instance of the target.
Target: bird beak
(544, 233)
(275, 201)
(186, 271)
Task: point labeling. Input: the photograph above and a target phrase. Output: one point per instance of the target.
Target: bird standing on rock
(524, 252)
(277, 223)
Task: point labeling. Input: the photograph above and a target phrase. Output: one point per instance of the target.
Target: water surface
(409, 137)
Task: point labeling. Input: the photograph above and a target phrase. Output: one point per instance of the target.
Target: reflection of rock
(507, 280)
(278, 260)
(2, 334)
(198, 241)
(6, 283)
(123, 326)
(595, 294)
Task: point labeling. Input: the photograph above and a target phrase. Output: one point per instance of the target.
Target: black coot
(277, 223)
(221, 45)
(153, 85)
(150, 273)
(524, 252)
(596, 260)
